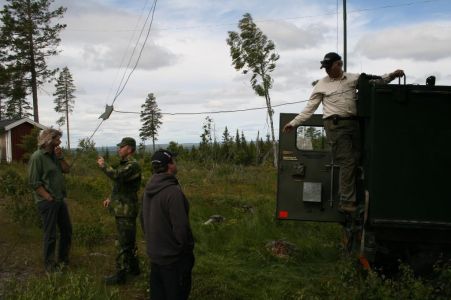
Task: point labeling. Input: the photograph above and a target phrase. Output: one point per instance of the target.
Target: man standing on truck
(337, 93)
(166, 226)
(124, 206)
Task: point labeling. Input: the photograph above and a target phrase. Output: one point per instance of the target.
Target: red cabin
(11, 134)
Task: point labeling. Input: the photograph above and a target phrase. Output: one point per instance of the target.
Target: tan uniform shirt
(337, 95)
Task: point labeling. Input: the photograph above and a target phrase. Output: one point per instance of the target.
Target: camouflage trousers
(126, 258)
(344, 137)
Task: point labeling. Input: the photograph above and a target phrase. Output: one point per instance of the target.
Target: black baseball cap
(162, 157)
(329, 59)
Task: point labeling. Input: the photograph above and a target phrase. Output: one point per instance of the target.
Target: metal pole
(345, 59)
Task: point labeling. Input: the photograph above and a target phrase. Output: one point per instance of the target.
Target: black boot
(118, 278)
(134, 267)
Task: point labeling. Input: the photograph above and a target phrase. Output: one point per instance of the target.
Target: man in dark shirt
(45, 176)
(167, 231)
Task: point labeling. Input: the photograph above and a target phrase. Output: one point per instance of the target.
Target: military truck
(403, 182)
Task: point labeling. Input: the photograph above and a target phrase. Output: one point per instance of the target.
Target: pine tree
(252, 51)
(28, 38)
(206, 137)
(237, 139)
(4, 86)
(227, 143)
(17, 106)
(64, 100)
(151, 120)
(243, 140)
(205, 147)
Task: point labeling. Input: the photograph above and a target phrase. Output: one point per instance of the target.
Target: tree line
(30, 34)
(231, 148)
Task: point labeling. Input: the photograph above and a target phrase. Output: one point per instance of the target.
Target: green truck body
(403, 184)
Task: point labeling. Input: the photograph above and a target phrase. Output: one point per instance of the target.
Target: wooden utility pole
(345, 56)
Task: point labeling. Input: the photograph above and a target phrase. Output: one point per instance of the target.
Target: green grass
(232, 258)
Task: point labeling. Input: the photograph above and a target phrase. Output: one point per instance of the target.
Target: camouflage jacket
(127, 180)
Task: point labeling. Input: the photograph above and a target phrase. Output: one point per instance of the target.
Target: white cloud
(421, 42)
(288, 36)
(187, 64)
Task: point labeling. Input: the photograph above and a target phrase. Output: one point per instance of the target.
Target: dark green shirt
(45, 170)
(127, 180)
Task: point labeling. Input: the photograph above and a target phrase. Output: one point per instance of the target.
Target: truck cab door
(307, 179)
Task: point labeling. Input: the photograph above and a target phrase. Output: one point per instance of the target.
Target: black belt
(336, 118)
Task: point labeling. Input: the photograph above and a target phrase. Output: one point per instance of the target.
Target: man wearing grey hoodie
(165, 220)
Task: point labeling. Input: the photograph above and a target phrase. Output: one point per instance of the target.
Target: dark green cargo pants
(126, 243)
(344, 137)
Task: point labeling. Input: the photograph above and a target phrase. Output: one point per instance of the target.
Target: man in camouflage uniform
(123, 204)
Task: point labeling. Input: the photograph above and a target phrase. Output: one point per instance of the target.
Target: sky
(186, 62)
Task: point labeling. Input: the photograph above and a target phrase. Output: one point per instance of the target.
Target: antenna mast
(345, 56)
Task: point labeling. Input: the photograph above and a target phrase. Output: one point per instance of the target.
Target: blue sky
(186, 61)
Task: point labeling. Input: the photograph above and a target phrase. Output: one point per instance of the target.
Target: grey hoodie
(165, 214)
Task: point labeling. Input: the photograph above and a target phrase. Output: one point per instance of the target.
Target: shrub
(89, 234)
(19, 202)
(13, 184)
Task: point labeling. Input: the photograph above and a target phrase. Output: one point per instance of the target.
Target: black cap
(162, 157)
(329, 59)
(127, 141)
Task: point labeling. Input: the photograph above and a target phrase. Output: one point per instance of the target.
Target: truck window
(311, 138)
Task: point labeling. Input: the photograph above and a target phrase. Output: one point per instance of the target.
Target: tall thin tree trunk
(257, 149)
(68, 135)
(67, 116)
(34, 81)
(34, 89)
(270, 114)
(153, 134)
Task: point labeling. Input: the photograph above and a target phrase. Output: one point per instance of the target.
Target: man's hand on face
(101, 161)
(58, 152)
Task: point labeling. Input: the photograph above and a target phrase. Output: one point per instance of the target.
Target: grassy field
(234, 259)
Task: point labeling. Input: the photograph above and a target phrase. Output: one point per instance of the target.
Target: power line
(129, 43)
(271, 20)
(152, 10)
(139, 55)
(214, 112)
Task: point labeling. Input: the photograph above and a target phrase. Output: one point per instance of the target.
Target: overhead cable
(273, 20)
(213, 112)
(139, 55)
(134, 48)
(121, 89)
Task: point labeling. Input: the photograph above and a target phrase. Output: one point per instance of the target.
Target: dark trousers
(55, 213)
(126, 243)
(344, 137)
(173, 281)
